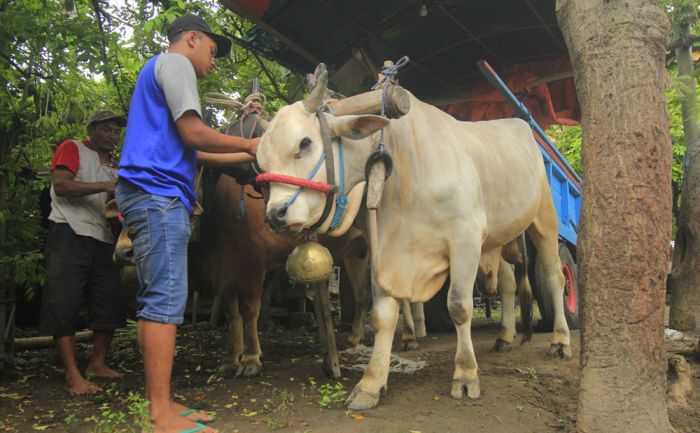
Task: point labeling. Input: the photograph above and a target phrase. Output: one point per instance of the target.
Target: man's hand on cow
(109, 186)
(253, 145)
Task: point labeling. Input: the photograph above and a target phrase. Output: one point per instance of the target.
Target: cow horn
(318, 92)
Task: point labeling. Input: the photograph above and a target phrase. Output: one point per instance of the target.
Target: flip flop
(199, 427)
(184, 413)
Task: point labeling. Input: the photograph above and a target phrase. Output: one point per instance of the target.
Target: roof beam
(372, 34)
(466, 30)
(304, 53)
(546, 26)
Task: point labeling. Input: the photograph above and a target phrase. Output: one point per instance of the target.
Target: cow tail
(524, 291)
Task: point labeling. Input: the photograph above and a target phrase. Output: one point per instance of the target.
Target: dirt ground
(522, 390)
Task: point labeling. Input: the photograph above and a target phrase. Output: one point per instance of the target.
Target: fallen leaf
(360, 417)
(436, 397)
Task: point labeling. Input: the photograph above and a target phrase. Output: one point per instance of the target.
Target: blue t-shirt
(154, 156)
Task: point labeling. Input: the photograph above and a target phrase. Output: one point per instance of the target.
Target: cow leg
(408, 336)
(249, 305)
(464, 260)
(385, 314)
(234, 346)
(545, 236)
(358, 273)
(507, 288)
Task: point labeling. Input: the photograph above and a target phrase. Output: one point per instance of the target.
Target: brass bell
(309, 263)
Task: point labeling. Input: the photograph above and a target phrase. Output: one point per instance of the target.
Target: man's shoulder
(67, 147)
(172, 60)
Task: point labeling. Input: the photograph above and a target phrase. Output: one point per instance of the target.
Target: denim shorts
(159, 228)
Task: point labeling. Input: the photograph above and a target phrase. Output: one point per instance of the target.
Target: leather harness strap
(330, 168)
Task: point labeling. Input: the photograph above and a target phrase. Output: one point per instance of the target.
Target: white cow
(458, 189)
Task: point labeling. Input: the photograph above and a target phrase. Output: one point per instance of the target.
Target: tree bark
(685, 278)
(617, 51)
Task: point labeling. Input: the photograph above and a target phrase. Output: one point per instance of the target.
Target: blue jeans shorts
(159, 228)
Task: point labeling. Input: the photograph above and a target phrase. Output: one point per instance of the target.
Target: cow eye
(304, 146)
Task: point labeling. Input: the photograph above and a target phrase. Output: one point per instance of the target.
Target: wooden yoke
(398, 103)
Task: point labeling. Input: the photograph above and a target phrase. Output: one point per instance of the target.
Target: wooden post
(216, 308)
(324, 305)
(195, 307)
(320, 322)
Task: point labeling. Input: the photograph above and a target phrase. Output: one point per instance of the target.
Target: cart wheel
(571, 289)
(571, 292)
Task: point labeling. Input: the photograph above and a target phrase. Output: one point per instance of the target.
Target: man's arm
(65, 185)
(223, 159)
(199, 136)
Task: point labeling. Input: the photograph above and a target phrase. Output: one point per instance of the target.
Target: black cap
(105, 115)
(193, 22)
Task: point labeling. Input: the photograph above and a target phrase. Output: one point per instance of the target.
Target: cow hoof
(249, 369)
(360, 399)
(502, 346)
(354, 341)
(473, 389)
(559, 350)
(410, 345)
(227, 370)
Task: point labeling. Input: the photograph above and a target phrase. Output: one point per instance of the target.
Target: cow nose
(277, 217)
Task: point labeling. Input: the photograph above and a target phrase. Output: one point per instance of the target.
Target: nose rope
(302, 183)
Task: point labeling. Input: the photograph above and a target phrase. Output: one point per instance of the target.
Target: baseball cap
(193, 22)
(103, 115)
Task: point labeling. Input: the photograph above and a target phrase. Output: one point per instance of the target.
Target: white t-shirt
(84, 214)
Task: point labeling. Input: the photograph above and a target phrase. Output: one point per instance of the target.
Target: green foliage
(568, 141)
(112, 421)
(684, 16)
(62, 59)
(332, 395)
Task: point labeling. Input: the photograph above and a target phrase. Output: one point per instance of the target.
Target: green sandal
(190, 411)
(199, 427)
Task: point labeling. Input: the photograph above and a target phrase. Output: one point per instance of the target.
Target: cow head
(123, 250)
(293, 146)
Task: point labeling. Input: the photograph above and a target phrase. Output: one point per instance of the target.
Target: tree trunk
(6, 281)
(617, 51)
(685, 278)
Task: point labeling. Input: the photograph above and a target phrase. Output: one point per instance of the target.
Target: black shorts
(80, 270)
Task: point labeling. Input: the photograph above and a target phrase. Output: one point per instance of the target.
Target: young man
(155, 194)
(79, 250)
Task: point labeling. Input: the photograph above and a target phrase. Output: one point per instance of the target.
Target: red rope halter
(297, 181)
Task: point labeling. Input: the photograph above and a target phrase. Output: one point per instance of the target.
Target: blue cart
(565, 186)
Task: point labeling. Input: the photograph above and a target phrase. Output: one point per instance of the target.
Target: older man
(79, 248)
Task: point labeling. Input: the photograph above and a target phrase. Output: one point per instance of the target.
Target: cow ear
(356, 127)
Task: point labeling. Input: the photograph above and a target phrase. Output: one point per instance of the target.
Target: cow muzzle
(124, 251)
(276, 217)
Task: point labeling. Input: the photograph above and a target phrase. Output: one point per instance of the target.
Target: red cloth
(67, 156)
(550, 103)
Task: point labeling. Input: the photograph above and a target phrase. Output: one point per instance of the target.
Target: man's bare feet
(102, 371)
(177, 424)
(81, 386)
(191, 414)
